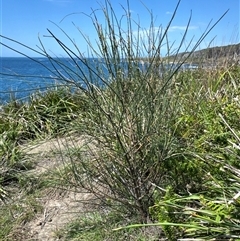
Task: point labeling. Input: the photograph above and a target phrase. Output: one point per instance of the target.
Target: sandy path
(60, 207)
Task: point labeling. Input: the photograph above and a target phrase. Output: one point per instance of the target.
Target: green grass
(99, 226)
(15, 213)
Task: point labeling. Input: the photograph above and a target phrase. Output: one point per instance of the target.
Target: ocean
(21, 76)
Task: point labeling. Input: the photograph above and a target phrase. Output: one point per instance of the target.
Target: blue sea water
(22, 76)
(19, 77)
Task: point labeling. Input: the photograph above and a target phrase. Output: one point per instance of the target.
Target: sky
(27, 21)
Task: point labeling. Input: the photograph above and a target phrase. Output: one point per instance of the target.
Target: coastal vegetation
(214, 56)
(151, 155)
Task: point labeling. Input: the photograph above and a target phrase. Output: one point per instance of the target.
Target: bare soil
(59, 206)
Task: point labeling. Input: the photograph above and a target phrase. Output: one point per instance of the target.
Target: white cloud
(169, 12)
(158, 30)
(181, 28)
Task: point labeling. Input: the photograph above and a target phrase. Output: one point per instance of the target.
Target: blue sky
(26, 20)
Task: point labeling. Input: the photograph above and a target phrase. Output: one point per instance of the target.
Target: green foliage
(46, 114)
(196, 216)
(99, 226)
(13, 216)
(163, 213)
(213, 213)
